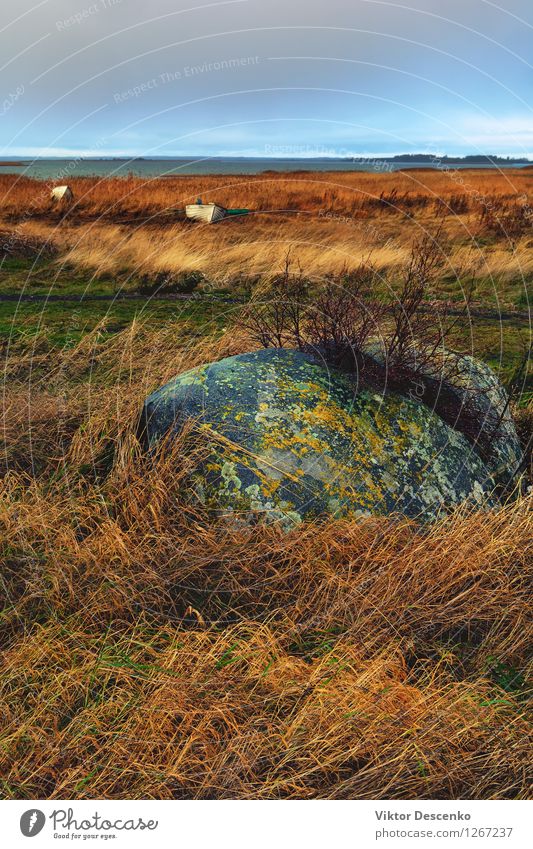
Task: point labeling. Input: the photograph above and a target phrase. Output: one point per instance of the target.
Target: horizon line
(368, 157)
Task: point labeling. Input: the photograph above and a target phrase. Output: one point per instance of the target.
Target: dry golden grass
(257, 249)
(132, 227)
(149, 652)
(344, 193)
(229, 256)
(252, 249)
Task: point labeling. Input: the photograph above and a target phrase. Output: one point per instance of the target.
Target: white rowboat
(208, 212)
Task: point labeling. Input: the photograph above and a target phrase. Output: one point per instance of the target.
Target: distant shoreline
(67, 169)
(399, 159)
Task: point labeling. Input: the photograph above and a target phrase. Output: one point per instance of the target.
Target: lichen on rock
(289, 439)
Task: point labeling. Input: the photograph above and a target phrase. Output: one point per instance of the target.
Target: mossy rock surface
(480, 385)
(477, 389)
(290, 439)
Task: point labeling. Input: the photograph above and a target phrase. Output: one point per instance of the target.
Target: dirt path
(491, 315)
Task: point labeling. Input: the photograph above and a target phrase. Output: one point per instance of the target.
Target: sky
(265, 77)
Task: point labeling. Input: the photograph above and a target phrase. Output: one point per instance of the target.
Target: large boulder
(290, 439)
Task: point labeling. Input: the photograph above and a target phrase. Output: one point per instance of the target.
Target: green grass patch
(63, 324)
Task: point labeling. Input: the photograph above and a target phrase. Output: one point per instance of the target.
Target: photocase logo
(32, 822)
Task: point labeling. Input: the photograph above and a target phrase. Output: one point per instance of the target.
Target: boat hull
(209, 213)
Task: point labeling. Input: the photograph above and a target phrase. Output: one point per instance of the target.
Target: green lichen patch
(292, 440)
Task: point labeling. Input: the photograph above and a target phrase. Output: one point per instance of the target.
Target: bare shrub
(277, 321)
(385, 332)
(455, 204)
(505, 221)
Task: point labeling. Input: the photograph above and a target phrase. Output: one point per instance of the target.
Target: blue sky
(284, 77)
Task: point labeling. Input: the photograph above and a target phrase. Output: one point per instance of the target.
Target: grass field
(150, 652)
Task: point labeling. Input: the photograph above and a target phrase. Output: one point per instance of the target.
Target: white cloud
(511, 133)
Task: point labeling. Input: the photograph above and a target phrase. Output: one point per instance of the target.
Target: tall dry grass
(150, 652)
(344, 193)
(128, 227)
(229, 256)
